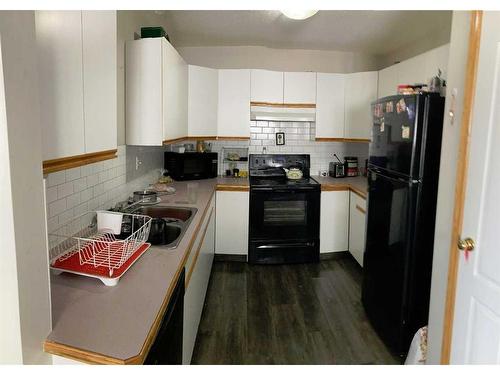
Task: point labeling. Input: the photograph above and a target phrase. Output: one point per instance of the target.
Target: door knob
(466, 244)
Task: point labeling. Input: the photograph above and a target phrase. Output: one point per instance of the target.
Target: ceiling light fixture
(299, 14)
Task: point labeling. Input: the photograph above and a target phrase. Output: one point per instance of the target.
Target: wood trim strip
(348, 140)
(86, 356)
(204, 138)
(221, 187)
(358, 192)
(461, 180)
(228, 138)
(283, 105)
(193, 265)
(360, 209)
(339, 187)
(60, 164)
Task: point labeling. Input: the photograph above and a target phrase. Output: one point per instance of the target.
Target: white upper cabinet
(299, 87)
(330, 105)
(99, 80)
(175, 93)
(77, 81)
(233, 116)
(203, 94)
(418, 69)
(156, 92)
(60, 68)
(360, 91)
(388, 81)
(266, 86)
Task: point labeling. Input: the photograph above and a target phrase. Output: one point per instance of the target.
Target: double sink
(168, 225)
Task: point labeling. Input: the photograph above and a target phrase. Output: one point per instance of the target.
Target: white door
(476, 328)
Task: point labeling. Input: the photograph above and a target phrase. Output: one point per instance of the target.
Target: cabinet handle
(360, 209)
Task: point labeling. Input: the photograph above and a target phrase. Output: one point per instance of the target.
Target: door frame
(461, 179)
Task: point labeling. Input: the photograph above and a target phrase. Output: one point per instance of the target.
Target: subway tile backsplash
(75, 191)
(299, 139)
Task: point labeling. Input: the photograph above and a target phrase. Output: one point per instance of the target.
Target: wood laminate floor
(287, 314)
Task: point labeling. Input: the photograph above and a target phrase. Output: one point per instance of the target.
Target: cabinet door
(388, 81)
(334, 221)
(175, 93)
(330, 105)
(196, 285)
(143, 92)
(202, 101)
(435, 59)
(412, 71)
(59, 50)
(360, 91)
(357, 227)
(266, 86)
(232, 222)
(299, 87)
(233, 113)
(99, 79)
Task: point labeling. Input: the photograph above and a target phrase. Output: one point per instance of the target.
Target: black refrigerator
(403, 172)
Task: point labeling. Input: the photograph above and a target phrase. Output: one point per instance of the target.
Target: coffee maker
(336, 169)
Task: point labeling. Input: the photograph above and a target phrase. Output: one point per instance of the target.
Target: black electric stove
(284, 213)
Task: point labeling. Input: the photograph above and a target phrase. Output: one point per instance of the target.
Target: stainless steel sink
(177, 221)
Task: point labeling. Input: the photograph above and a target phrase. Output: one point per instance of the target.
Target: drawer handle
(360, 209)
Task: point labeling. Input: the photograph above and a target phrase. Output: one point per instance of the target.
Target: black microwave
(191, 165)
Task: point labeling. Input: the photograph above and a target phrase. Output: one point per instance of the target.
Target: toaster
(336, 169)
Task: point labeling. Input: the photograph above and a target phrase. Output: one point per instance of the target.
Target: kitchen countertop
(98, 324)
(358, 184)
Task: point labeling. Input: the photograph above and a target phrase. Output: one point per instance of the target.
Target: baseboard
(334, 255)
(230, 258)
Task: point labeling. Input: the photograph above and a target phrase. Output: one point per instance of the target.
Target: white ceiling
(374, 32)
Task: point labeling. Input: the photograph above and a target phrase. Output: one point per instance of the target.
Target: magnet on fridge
(382, 126)
(405, 132)
(389, 107)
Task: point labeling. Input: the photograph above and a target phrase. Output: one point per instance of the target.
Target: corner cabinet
(360, 91)
(357, 227)
(76, 53)
(334, 221)
(231, 236)
(233, 114)
(156, 94)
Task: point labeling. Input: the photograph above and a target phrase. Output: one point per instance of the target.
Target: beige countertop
(358, 184)
(98, 324)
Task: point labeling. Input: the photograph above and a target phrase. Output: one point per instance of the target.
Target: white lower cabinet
(232, 222)
(198, 268)
(357, 227)
(334, 221)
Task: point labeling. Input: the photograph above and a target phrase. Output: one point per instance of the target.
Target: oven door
(284, 214)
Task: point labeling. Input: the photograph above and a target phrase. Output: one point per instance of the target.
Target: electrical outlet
(138, 163)
(323, 173)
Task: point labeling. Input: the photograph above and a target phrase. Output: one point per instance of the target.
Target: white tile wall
(101, 185)
(299, 139)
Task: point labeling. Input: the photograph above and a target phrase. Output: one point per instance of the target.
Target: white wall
(26, 315)
(293, 60)
(447, 175)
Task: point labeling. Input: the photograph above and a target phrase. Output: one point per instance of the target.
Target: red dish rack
(97, 253)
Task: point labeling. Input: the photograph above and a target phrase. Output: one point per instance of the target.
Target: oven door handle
(281, 245)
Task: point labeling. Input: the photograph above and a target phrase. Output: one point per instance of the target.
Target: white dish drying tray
(97, 253)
